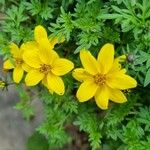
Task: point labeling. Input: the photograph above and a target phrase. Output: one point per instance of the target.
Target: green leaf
(117, 9)
(148, 63)
(109, 16)
(147, 78)
(37, 8)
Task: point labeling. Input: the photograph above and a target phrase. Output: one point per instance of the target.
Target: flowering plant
(96, 53)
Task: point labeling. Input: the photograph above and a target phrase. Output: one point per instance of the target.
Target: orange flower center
(45, 68)
(18, 61)
(100, 79)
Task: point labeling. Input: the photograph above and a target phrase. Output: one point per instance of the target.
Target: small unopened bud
(130, 58)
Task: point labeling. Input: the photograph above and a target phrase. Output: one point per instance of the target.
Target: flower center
(45, 68)
(100, 79)
(18, 61)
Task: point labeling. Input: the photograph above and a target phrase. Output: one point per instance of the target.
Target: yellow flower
(46, 65)
(3, 84)
(103, 78)
(16, 63)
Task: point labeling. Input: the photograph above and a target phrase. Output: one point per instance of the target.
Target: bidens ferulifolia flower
(103, 78)
(16, 62)
(46, 65)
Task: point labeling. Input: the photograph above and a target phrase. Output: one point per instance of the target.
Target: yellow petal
(86, 90)
(47, 56)
(123, 71)
(26, 67)
(89, 62)
(14, 50)
(17, 73)
(56, 84)
(55, 41)
(62, 66)
(8, 65)
(41, 38)
(45, 44)
(32, 58)
(80, 74)
(39, 33)
(106, 57)
(121, 81)
(32, 45)
(121, 58)
(33, 77)
(44, 81)
(117, 96)
(102, 97)
(116, 64)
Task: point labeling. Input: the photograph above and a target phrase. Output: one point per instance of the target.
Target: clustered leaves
(85, 24)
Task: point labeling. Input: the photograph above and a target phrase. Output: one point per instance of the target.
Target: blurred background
(14, 130)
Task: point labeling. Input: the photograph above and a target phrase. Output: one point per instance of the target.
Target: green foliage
(142, 58)
(85, 24)
(62, 108)
(147, 78)
(63, 26)
(132, 16)
(88, 24)
(2, 2)
(25, 103)
(36, 8)
(143, 118)
(88, 122)
(14, 24)
(38, 142)
(4, 49)
(82, 21)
